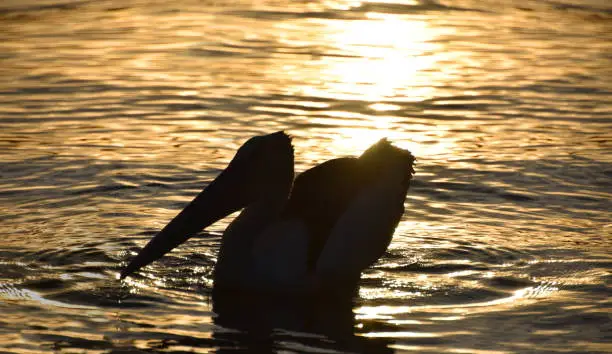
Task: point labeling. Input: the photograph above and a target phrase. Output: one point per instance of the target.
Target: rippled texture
(114, 114)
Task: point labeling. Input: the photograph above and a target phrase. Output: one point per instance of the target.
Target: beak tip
(124, 274)
(129, 269)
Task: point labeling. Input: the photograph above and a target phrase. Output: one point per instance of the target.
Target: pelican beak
(220, 198)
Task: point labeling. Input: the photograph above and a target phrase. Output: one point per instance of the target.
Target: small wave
(10, 292)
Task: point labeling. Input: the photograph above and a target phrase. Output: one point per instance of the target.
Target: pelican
(317, 231)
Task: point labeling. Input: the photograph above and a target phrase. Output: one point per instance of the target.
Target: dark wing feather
(320, 196)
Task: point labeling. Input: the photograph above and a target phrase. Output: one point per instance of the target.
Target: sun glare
(383, 60)
(380, 58)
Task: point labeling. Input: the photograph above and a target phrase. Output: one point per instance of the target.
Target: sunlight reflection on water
(391, 54)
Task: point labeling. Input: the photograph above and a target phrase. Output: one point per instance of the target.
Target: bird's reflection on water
(249, 321)
(260, 321)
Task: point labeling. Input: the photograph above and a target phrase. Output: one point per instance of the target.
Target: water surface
(114, 114)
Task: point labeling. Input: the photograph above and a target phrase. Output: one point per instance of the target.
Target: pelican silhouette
(317, 232)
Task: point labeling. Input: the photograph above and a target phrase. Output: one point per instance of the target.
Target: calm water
(114, 114)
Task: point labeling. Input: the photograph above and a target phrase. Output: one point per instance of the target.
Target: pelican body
(319, 230)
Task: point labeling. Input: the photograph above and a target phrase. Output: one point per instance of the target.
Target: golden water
(114, 114)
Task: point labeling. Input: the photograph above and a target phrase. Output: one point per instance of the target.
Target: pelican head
(262, 167)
